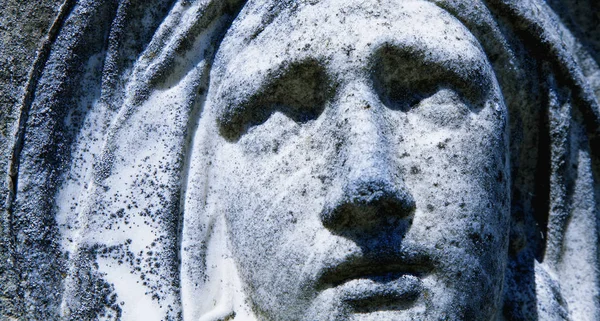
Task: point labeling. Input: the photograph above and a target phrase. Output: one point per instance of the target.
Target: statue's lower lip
(382, 292)
(380, 272)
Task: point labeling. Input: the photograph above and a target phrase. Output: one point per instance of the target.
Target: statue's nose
(372, 193)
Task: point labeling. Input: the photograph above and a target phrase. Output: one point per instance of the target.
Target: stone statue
(310, 160)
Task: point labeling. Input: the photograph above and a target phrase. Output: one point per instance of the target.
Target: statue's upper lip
(378, 267)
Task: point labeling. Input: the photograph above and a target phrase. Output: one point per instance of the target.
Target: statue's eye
(444, 108)
(405, 80)
(299, 91)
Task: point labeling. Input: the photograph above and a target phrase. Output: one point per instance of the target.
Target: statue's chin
(345, 304)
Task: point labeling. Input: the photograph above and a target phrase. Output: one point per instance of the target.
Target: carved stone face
(362, 167)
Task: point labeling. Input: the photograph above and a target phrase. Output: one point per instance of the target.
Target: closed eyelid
(298, 89)
(401, 71)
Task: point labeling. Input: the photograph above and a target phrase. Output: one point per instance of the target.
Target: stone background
(23, 27)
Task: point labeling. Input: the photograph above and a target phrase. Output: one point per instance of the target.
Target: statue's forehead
(355, 28)
(323, 29)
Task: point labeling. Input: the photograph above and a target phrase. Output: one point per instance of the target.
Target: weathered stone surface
(303, 160)
(23, 28)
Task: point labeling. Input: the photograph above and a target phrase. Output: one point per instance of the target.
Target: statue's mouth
(378, 284)
(376, 271)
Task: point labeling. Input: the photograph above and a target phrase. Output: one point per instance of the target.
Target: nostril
(367, 204)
